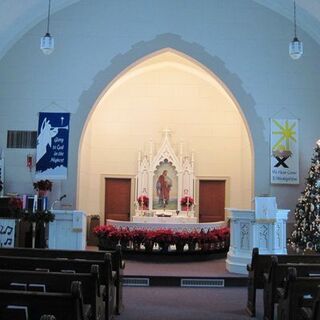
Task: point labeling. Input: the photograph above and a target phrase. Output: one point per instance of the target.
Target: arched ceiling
(18, 16)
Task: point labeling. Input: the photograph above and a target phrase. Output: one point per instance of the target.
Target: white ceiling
(18, 16)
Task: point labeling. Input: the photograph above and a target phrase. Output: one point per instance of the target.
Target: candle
(24, 201)
(187, 204)
(44, 203)
(35, 203)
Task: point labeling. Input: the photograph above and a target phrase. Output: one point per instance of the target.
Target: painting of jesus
(165, 187)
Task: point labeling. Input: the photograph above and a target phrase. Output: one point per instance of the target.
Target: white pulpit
(68, 230)
(247, 232)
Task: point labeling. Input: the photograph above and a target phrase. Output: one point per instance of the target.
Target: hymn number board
(7, 232)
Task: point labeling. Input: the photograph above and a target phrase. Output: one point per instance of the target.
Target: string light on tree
(307, 213)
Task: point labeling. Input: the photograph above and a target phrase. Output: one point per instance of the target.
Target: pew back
(57, 282)
(261, 264)
(116, 261)
(276, 278)
(67, 306)
(61, 264)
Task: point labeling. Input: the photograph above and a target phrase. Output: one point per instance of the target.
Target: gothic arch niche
(165, 90)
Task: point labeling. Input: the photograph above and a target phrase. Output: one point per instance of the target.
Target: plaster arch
(123, 62)
(211, 76)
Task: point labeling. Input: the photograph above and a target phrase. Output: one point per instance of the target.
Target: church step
(198, 282)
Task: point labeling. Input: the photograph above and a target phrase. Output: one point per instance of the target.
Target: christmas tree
(306, 233)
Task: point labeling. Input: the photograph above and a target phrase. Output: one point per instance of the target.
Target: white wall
(243, 43)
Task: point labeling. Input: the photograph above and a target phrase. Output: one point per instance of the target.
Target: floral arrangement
(45, 185)
(143, 199)
(211, 240)
(186, 201)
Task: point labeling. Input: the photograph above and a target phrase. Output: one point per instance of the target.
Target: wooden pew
(48, 317)
(107, 276)
(275, 279)
(260, 264)
(66, 306)
(118, 264)
(299, 293)
(314, 312)
(58, 282)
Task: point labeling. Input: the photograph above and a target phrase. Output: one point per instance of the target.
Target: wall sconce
(29, 161)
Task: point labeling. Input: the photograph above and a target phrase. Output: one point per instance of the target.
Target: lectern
(68, 230)
(264, 228)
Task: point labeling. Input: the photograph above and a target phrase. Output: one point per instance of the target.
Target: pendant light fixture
(47, 42)
(295, 46)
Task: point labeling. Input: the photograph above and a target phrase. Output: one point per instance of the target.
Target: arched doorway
(165, 90)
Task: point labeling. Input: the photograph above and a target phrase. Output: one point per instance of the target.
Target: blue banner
(52, 146)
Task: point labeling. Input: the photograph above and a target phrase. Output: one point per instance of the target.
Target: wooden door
(211, 200)
(117, 199)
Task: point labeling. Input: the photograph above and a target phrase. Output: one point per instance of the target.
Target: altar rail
(172, 226)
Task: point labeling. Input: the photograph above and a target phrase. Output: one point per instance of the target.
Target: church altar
(168, 216)
(165, 220)
(169, 224)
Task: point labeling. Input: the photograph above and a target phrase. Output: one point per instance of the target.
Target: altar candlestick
(187, 204)
(35, 203)
(24, 201)
(44, 203)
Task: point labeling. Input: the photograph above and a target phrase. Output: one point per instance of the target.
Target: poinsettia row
(161, 236)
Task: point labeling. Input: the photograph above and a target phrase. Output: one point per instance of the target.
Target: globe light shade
(47, 44)
(295, 48)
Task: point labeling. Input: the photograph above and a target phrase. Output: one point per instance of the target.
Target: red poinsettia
(143, 200)
(186, 201)
(214, 237)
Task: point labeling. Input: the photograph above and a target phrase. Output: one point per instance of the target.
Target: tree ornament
(305, 234)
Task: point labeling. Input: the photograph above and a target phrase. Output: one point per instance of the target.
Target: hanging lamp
(295, 46)
(47, 41)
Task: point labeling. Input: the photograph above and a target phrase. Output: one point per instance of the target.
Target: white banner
(7, 232)
(284, 151)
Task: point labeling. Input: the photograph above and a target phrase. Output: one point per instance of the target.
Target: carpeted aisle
(166, 303)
